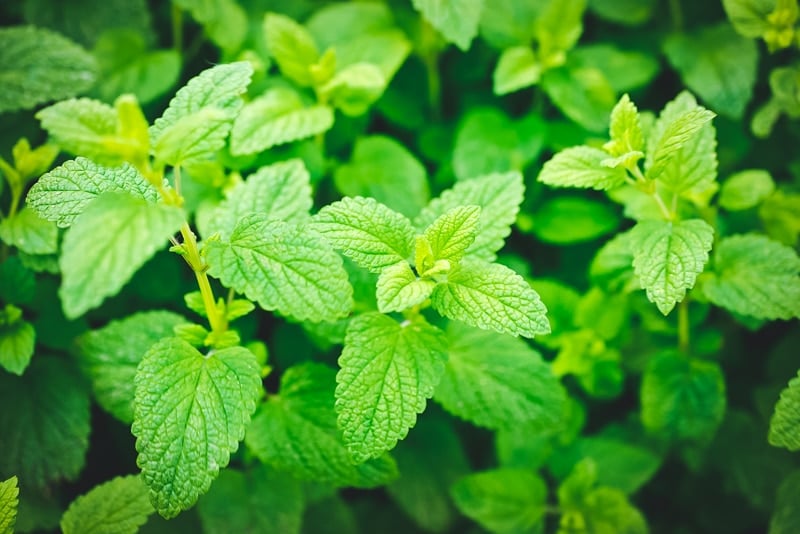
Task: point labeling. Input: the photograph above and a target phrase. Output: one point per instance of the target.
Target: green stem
(663, 207)
(430, 56)
(683, 326)
(199, 266)
(177, 28)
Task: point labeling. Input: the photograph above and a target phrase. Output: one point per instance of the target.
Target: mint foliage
(381, 388)
(457, 20)
(39, 65)
(190, 412)
(784, 428)
(29, 233)
(292, 47)
(119, 506)
(296, 431)
(746, 189)
(399, 289)
(9, 501)
(785, 519)
(17, 341)
(283, 267)
(581, 166)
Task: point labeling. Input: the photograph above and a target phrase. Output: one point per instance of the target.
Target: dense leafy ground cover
(431, 266)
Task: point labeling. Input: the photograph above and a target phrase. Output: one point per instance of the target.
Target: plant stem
(199, 266)
(683, 326)
(430, 56)
(663, 207)
(177, 28)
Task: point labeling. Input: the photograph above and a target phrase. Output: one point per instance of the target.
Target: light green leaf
(516, 69)
(606, 510)
(780, 215)
(749, 17)
(198, 119)
(570, 219)
(284, 268)
(786, 515)
(625, 69)
(557, 28)
(457, 20)
(224, 21)
(93, 267)
(581, 166)
(502, 500)
(718, 64)
(119, 506)
(388, 371)
(492, 297)
(498, 196)
(582, 92)
(85, 127)
(385, 170)
(452, 233)
(46, 436)
(366, 231)
(29, 233)
(694, 164)
(784, 428)
(65, 192)
(355, 88)
(32, 163)
(675, 134)
(399, 288)
(507, 23)
(498, 382)
(682, 398)
(110, 355)
(611, 267)
(190, 413)
(281, 192)
(668, 256)
(292, 47)
(9, 501)
(755, 276)
(277, 117)
(17, 342)
(38, 65)
(261, 500)
(746, 189)
(626, 128)
(627, 12)
(296, 431)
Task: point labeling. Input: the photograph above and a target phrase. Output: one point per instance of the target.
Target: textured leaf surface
(82, 126)
(784, 428)
(283, 267)
(9, 501)
(453, 233)
(17, 342)
(492, 297)
(457, 20)
(755, 276)
(366, 231)
(626, 128)
(668, 256)
(29, 233)
(296, 431)
(581, 166)
(190, 413)
(682, 399)
(502, 500)
(677, 133)
(399, 288)
(281, 192)
(95, 268)
(119, 506)
(46, 435)
(38, 65)
(497, 381)
(111, 354)
(64, 193)
(388, 371)
(498, 196)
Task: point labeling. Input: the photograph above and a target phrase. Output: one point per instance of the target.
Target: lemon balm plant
(227, 305)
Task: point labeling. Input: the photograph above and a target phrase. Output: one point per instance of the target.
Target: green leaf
(780, 215)
(110, 355)
(277, 117)
(296, 431)
(83, 127)
(366, 231)
(784, 428)
(755, 276)
(355, 88)
(280, 192)
(9, 501)
(581, 166)
(385, 170)
(64, 193)
(682, 398)
(261, 500)
(46, 436)
(625, 70)
(17, 342)
(93, 267)
(570, 219)
(492, 297)
(457, 20)
(627, 12)
(388, 371)
(29, 233)
(498, 196)
(119, 506)
(292, 47)
(749, 17)
(32, 163)
(38, 65)
(786, 516)
(284, 268)
(507, 23)
(498, 382)
(718, 64)
(694, 163)
(190, 412)
(626, 129)
(582, 92)
(452, 233)
(668, 256)
(17, 282)
(516, 69)
(224, 21)
(502, 500)
(746, 189)
(198, 119)
(399, 289)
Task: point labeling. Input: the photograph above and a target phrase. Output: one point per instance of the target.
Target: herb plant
(243, 243)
